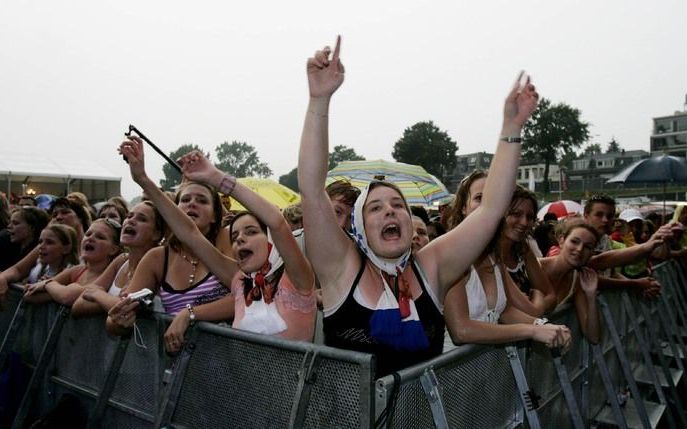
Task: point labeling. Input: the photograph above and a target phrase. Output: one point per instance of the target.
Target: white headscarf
(389, 266)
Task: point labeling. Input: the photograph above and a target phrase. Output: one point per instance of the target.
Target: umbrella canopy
(272, 191)
(561, 209)
(655, 208)
(417, 185)
(658, 169)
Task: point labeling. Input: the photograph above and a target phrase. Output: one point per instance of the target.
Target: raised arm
(329, 249)
(183, 227)
(197, 168)
(447, 257)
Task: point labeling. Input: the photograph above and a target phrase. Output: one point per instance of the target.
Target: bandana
(260, 284)
(395, 321)
(259, 289)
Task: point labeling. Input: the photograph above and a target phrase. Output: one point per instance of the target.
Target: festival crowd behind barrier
(355, 269)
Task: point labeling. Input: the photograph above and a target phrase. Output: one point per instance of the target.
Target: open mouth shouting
(244, 255)
(391, 232)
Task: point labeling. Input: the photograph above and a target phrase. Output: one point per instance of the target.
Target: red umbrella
(561, 209)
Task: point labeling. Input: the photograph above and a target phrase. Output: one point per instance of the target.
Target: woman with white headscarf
(377, 297)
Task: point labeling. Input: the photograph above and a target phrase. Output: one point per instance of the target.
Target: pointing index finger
(337, 48)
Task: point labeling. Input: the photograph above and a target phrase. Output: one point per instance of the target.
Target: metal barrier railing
(229, 377)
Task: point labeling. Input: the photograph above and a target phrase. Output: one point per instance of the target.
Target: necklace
(194, 265)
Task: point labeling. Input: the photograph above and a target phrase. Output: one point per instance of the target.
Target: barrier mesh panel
(7, 312)
(229, 383)
(138, 382)
(486, 380)
(84, 352)
(34, 331)
(115, 418)
(335, 398)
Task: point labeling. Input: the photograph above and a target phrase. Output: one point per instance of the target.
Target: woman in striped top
(187, 288)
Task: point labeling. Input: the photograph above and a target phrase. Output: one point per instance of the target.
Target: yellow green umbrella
(272, 191)
(417, 185)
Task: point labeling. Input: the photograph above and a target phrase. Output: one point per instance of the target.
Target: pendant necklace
(194, 265)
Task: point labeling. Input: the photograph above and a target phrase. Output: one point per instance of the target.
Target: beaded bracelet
(226, 186)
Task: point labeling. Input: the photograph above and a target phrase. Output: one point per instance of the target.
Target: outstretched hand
(196, 167)
(325, 74)
(520, 103)
(648, 287)
(132, 149)
(589, 281)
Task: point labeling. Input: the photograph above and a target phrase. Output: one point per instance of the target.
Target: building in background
(669, 134)
(466, 164)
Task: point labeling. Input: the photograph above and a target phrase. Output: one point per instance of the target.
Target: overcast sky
(74, 74)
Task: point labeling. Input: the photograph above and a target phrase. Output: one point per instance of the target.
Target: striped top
(207, 290)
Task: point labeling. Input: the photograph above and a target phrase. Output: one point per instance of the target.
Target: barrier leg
(109, 385)
(654, 336)
(608, 385)
(41, 366)
(12, 333)
(566, 387)
(173, 379)
(306, 379)
(646, 355)
(431, 387)
(624, 363)
(675, 339)
(528, 397)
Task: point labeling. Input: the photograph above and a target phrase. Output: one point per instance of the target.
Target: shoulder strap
(164, 267)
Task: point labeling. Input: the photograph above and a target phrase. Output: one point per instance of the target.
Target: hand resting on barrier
(121, 317)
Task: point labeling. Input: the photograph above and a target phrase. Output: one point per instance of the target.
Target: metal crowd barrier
(229, 378)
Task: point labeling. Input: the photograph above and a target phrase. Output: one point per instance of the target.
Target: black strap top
(349, 328)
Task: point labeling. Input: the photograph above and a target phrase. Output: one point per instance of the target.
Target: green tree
(592, 149)
(613, 146)
(342, 153)
(426, 145)
(290, 180)
(551, 132)
(241, 160)
(172, 177)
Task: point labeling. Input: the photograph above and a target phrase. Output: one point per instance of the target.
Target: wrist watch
(510, 139)
(191, 314)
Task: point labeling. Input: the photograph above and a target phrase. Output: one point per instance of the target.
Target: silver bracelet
(540, 321)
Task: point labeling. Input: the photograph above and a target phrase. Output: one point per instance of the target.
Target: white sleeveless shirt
(477, 301)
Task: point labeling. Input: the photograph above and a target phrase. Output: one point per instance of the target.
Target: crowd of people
(388, 279)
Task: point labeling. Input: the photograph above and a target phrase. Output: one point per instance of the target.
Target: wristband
(540, 321)
(510, 139)
(226, 186)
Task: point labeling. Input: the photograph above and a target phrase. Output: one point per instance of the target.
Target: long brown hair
(217, 214)
(455, 210)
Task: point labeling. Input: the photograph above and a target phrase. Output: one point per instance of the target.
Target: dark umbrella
(657, 169)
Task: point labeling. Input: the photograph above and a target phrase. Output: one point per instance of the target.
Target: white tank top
(477, 301)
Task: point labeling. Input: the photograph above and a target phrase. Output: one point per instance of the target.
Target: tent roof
(41, 166)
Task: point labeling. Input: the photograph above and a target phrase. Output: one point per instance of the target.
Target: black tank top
(520, 277)
(349, 328)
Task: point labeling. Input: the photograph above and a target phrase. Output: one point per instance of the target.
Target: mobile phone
(143, 296)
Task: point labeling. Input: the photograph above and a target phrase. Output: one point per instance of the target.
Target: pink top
(291, 315)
